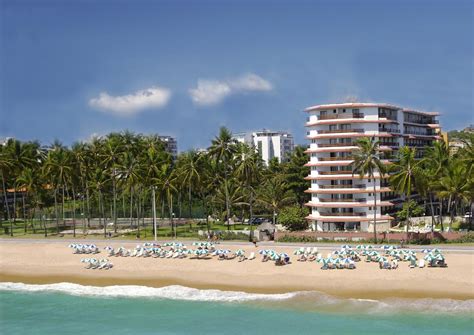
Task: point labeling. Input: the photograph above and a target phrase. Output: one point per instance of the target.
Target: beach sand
(41, 263)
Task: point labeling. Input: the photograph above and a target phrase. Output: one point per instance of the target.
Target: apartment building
(340, 200)
(171, 145)
(270, 144)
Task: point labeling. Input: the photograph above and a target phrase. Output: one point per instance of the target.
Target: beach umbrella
(360, 247)
(240, 252)
(436, 251)
(346, 246)
(298, 252)
(426, 251)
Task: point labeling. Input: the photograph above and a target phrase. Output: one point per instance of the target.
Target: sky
(70, 70)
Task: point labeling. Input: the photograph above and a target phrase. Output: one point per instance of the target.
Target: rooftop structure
(171, 145)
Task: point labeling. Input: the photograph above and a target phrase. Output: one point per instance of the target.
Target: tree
(407, 176)
(248, 172)
(410, 207)
(274, 195)
(456, 186)
(435, 164)
(222, 149)
(294, 173)
(189, 174)
(366, 163)
(294, 218)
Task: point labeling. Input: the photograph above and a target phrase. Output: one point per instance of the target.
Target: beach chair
(308, 251)
(394, 264)
(169, 254)
(421, 263)
(319, 257)
(314, 251)
(252, 256)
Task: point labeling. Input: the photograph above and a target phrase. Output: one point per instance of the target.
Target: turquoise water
(75, 309)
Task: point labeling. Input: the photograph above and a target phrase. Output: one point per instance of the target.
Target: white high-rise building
(339, 199)
(171, 145)
(270, 144)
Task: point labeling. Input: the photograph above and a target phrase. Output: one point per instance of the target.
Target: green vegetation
(294, 218)
(110, 183)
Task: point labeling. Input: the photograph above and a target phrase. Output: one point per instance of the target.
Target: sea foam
(307, 300)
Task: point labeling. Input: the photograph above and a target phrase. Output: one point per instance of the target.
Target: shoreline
(378, 294)
(48, 263)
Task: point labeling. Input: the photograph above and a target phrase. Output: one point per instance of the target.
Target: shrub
(293, 218)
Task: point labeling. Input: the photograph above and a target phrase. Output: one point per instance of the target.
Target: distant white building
(270, 144)
(171, 145)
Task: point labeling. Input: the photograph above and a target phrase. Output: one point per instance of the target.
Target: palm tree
(167, 184)
(274, 195)
(222, 149)
(366, 163)
(437, 160)
(248, 172)
(407, 176)
(189, 174)
(456, 186)
(6, 164)
(58, 168)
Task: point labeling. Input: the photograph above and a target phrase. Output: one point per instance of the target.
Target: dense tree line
(116, 176)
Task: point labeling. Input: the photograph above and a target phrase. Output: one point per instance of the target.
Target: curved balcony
(335, 218)
(341, 148)
(351, 135)
(337, 203)
(340, 131)
(347, 190)
(347, 176)
(349, 120)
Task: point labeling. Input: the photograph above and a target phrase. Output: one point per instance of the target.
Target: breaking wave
(305, 300)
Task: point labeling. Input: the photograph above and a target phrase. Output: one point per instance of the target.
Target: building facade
(339, 199)
(270, 144)
(171, 145)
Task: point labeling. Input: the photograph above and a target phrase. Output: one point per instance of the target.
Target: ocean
(66, 308)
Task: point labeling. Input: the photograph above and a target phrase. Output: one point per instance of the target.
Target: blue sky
(70, 69)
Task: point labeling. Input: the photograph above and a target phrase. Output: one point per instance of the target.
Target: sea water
(66, 308)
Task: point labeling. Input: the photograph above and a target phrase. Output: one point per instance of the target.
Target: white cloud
(209, 92)
(131, 104)
(212, 92)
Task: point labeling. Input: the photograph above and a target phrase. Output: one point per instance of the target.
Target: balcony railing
(340, 131)
(335, 172)
(389, 144)
(341, 186)
(343, 214)
(343, 200)
(341, 116)
(347, 158)
(329, 145)
(389, 130)
(413, 132)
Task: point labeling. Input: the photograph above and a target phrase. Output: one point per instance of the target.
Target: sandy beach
(38, 263)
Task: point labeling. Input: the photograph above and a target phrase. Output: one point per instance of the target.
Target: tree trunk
(115, 203)
(408, 215)
(441, 214)
(6, 197)
(433, 223)
(64, 218)
(131, 207)
(251, 216)
(138, 213)
(88, 208)
(173, 228)
(375, 208)
(33, 220)
(227, 205)
(101, 210)
(56, 209)
(73, 212)
(14, 204)
(190, 208)
(24, 210)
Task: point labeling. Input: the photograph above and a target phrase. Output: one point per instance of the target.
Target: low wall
(361, 236)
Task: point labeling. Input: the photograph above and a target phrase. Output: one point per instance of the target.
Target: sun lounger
(314, 251)
(421, 263)
(252, 256)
